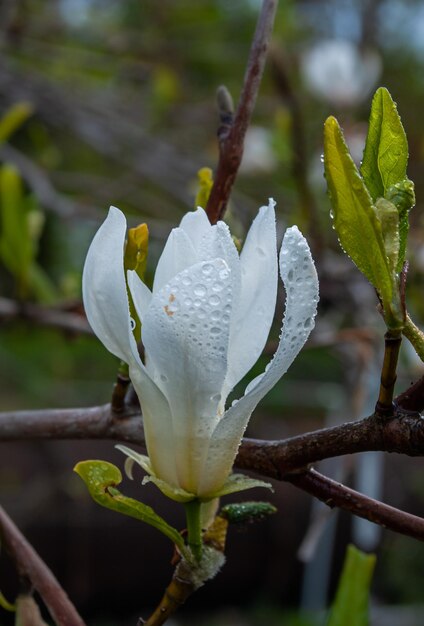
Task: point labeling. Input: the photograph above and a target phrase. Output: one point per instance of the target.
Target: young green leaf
(355, 219)
(402, 195)
(101, 479)
(350, 607)
(386, 149)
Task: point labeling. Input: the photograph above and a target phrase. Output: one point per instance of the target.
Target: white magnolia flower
(204, 325)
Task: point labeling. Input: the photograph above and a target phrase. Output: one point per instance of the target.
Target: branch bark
(335, 494)
(231, 146)
(33, 568)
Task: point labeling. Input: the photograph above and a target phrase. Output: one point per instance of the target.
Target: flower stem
(194, 539)
(415, 336)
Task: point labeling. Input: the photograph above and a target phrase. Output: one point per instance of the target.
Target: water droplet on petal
(214, 300)
(132, 323)
(199, 290)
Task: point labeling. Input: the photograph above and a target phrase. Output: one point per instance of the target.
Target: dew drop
(186, 280)
(215, 330)
(307, 323)
(215, 315)
(223, 274)
(290, 275)
(207, 269)
(192, 327)
(132, 323)
(163, 378)
(201, 314)
(217, 286)
(321, 158)
(199, 290)
(197, 303)
(225, 318)
(214, 300)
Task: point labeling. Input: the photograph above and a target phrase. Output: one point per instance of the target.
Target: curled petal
(253, 315)
(104, 289)
(301, 284)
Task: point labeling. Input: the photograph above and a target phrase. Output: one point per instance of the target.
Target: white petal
(195, 224)
(301, 283)
(107, 308)
(157, 422)
(140, 293)
(104, 289)
(186, 338)
(178, 254)
(253, 316)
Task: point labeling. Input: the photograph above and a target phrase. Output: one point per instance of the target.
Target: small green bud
(247, 512)
(136, 249)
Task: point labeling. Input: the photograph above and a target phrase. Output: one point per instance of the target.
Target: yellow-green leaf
(13, 119)
(16, 248)
(354, 215)
(386, 149)
(4, 604)
(102, 478)
(350, 607)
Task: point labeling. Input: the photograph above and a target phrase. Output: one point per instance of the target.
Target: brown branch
(231, 146)
(31, 567)
(403, 433)
(44, 316)
(335, 494)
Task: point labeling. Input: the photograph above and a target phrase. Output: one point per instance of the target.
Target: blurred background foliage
(113, 102)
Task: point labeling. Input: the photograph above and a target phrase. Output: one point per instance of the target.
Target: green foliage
(386, 149)
(350, 607)
(371, 207)
(13, 119)
(355, 220)
(4, 604)
(101, 479)
(21, 226)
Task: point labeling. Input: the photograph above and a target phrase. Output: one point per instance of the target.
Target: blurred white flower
(204, 325)
(336, 71)
(258, 154)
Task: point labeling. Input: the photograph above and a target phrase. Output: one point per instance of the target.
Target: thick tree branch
(231, 146)
(30, 566)
(335, 494)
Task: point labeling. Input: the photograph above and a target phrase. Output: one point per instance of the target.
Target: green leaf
(402, 195)
(388, 216)
(355, 219)
(7, 606)
(16, 247)
(386, 149)
(350, 607)
(13, 119)
(101, 479)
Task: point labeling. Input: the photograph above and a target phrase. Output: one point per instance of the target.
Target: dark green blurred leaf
(13, 119)
(350, 607)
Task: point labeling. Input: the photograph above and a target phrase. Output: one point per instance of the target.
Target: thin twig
(44, 316)
(31, 566)
(392, 342)
(335, 494)
(231, 148)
